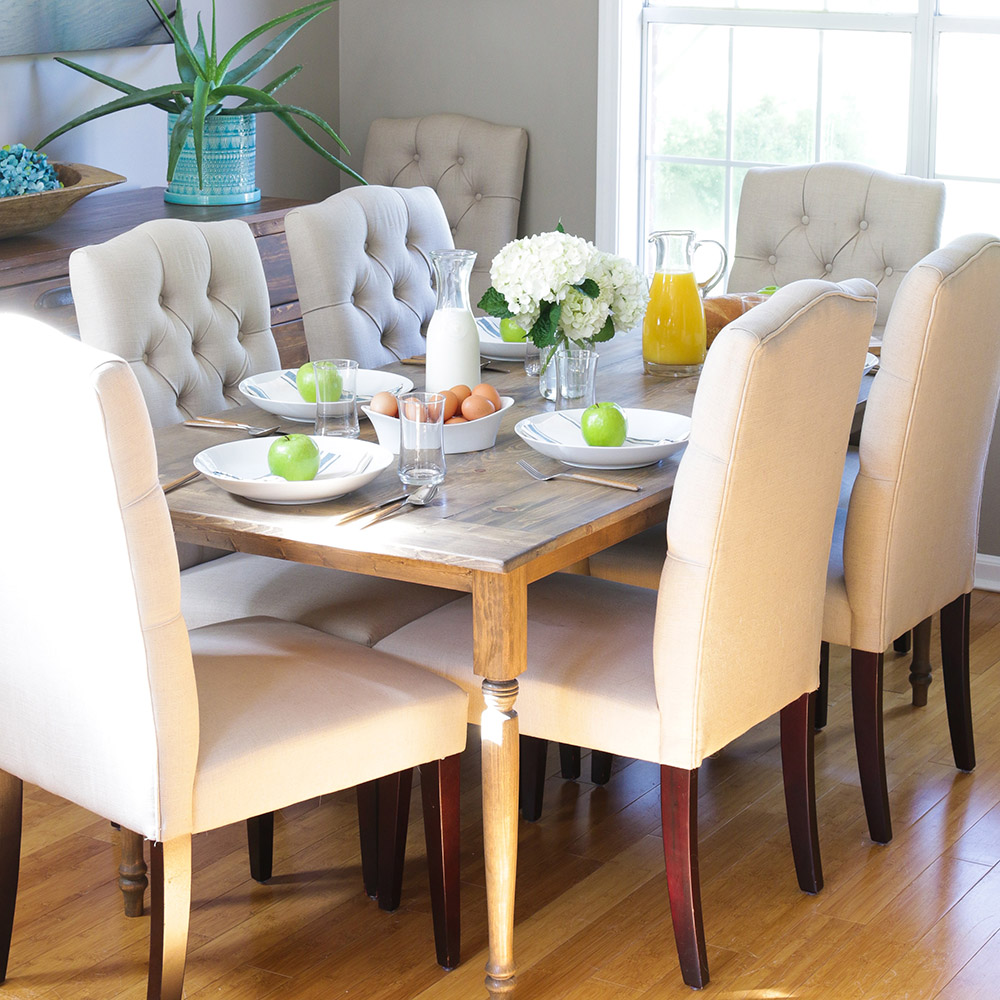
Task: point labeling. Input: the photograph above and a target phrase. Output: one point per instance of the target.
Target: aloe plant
(205, 81)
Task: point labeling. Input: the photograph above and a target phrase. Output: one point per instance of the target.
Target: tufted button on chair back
(476, 168)
(362, 266)
(186, 304)
(834, 221)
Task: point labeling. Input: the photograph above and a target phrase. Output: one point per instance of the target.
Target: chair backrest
(740, 605)
(96, 676)
(362, 266)
(476, 168)
(834, 221)
(913, 520)
(186, 304)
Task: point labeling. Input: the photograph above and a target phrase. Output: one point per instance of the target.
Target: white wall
(134, 142)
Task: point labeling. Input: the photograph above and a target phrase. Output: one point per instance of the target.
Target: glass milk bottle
(452, 334)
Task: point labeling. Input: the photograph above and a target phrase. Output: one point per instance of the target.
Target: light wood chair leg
(569, 761)
(132, 871)
(901, 644)
(260, 846)
(600, 766)
(367, 793)
(393, 814)
(823, 691)
(11, 799)
(866, 698)
(799, 775)
(955, 672)
(920, 665)
(679, 818)
(531, 779)
(170, 912)
(439, 790)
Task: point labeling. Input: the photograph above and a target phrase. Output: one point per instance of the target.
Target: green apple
(293, 457)
(305, 382)
(511, 332)
(604, 425)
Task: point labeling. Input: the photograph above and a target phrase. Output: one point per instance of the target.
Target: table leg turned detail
(132, 872)
(500, 771)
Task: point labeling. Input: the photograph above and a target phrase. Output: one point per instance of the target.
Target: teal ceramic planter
(228, 162)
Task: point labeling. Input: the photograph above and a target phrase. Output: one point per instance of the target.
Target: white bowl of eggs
(472, 418)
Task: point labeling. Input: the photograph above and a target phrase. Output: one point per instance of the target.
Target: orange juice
(673, 332)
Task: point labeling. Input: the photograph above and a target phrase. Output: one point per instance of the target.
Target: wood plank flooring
(917, 919)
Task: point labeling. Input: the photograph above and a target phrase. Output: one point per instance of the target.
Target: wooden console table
(34, 268)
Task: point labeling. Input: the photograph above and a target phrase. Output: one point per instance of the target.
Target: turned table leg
(132, 872)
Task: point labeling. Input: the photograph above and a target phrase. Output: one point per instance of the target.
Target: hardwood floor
(916, 919)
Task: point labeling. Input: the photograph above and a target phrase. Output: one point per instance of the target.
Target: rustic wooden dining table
(491, 532)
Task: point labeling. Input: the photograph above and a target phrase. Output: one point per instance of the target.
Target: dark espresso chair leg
(393, 814)
(823, 691)
(439, 789)
(11, 799)
(955, 672)
(798, 773)
(260, 843)
(531, 788)
(866, 697)
(679, 818)
(600, 766)
(901, 644)
(569, 761)
(920, 665)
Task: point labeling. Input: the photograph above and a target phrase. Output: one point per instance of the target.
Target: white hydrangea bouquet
(561, 288)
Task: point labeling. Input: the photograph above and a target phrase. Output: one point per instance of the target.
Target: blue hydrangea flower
(25, 171)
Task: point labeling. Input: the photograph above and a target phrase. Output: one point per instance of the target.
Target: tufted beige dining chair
(362, 267)
(731, 637)
(476, 167)
(907, 528)
(124, 712)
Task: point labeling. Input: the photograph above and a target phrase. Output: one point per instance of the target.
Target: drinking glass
(532, 359)
(336, 397)
(421, 438)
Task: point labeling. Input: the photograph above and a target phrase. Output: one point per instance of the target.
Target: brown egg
(385, 402)
(415, 410)
(456, 420)
(462, 393)
(487, 391)
(450, 404)
(476, 406)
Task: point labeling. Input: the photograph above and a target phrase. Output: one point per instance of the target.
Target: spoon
(418, 498)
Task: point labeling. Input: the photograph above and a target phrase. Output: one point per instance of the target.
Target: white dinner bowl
(476, 435)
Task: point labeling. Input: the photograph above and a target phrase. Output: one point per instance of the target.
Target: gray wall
(519, 62)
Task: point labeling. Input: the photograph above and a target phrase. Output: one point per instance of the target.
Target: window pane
(687, 118)
(856, 66)
(685, 196)
(775, 73)
(968, 8)
(831, 6)
(970, 208)
(967, 143)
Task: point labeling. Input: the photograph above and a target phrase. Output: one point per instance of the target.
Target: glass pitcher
(673, 332)
(452, 334)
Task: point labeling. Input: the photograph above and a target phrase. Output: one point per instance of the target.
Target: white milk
(452, 350)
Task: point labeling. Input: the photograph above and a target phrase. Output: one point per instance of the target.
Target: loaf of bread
(723, 309)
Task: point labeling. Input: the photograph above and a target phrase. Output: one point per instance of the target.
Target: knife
(361, 511)
(485, 364)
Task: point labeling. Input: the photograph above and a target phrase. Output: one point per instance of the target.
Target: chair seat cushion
(590, 662)
(637, 561)
(353, 606)
(297, 711)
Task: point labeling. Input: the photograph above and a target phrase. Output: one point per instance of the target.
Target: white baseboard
(987, 572)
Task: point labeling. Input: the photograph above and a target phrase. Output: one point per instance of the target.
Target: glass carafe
(452, 334)
(673, 332)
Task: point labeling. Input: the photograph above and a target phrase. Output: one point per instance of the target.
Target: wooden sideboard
(34, 268)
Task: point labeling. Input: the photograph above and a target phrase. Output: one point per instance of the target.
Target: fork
(232, 425)
(616, 483)
(629, 438)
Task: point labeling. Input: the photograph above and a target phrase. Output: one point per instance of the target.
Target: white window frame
(620, 168)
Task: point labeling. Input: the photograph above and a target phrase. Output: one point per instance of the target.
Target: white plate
(492, 345)
(276, 391)
(475, 435)
(870, 362)
(568, 446)
(236, 466)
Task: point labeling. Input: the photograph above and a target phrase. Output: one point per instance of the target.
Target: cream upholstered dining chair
(731, 637)
(476, 167)
(905, 543)
(362, 267)
(211, 737)
(186, 304)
